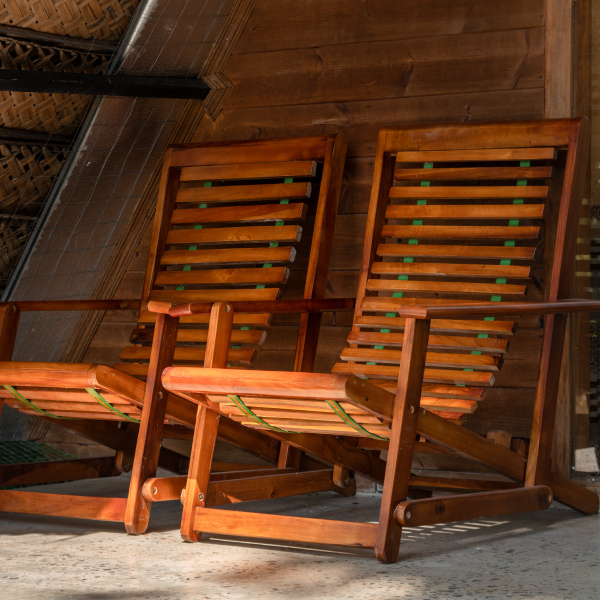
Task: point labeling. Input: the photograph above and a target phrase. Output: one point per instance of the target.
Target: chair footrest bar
(462, 507)
(160, 489)
(59, 505)
(291, 529)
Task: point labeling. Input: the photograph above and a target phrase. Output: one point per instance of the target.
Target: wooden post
(150, 433)
(207, 423)
(402, 440)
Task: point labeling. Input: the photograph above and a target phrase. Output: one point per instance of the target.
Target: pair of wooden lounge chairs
(467, 224)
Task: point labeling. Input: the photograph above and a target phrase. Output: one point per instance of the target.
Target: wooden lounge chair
(229, 219)
(463, 221)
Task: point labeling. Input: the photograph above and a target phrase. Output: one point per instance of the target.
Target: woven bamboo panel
(51, 113)
(99, 19)
(13, 236)
(26, 176)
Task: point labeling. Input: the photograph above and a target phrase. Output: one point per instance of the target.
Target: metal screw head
(227, 308)
(407, 516)
(155, 490)
(183, 493)
(411, 410)
(160, 395)
(200, 496)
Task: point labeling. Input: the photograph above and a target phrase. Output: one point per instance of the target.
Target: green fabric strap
(342, 414)
(31, 405)
(238, 402)
(94, 394)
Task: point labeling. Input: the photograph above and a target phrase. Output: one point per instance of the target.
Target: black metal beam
(46, 82)
(57, 41)
(26, 137)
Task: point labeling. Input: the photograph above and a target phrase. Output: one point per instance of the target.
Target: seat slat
(181, 296)
(247, 193)
(438, 390)
(240, 214)
(269, 170)
(187, 354)
(476, 192)
(381, 304)
(451, 270)
(229, 255)
(431, 375)
(463, 251)
(250, 336)
(445, 342)
(440, 325)
(458, 232)
(483, 154)
(481, 362)
(462, 287)
(235, 235)
(242, 276)
(465, 211)
(473, 173)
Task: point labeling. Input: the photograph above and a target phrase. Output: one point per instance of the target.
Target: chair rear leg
(402, 440)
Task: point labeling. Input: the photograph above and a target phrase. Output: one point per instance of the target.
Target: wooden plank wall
(306, 66)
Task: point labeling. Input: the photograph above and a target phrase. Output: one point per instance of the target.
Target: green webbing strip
(238, 402)
(94, 394)
(31, 405)
(342, 414)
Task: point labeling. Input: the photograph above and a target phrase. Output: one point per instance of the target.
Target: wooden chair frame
(155, 403)
(536, 485)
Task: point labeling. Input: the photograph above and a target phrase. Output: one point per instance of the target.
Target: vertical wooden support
(402, 440)
(150, 433)
(9, 322)
(207, 422)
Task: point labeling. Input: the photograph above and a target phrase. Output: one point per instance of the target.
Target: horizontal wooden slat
(431, 375)
(272, 170)
(295, 529)
(482, 154)
(229, 255)
(236, 235)
(183, 296)
(440, 325)
(187, 354)
(78, 407)
(458, 232)
(451, 270)
(463, 251)
(253, 319)
(473, 173)
(242, 276)
(250, 336)
(239, 214)
(459, 287)
(444, 342)
(246, 193)
(381, 304)
(437, 390)
(465, 211)
(433, 359)
(476, 191)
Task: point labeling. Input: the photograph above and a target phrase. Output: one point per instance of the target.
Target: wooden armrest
(497, 309)
(271, 306)
(58, 305)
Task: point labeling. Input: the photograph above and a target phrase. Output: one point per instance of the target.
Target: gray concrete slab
(550, 555)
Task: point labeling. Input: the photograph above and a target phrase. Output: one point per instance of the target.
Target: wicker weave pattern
(100, 19)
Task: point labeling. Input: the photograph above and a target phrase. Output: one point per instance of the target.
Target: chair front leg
(152, 422)
(402, 440)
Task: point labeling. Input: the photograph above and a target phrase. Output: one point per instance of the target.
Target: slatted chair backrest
(230, 217)
(462, 214)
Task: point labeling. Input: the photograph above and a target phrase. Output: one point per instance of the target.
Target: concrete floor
(550, 555)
